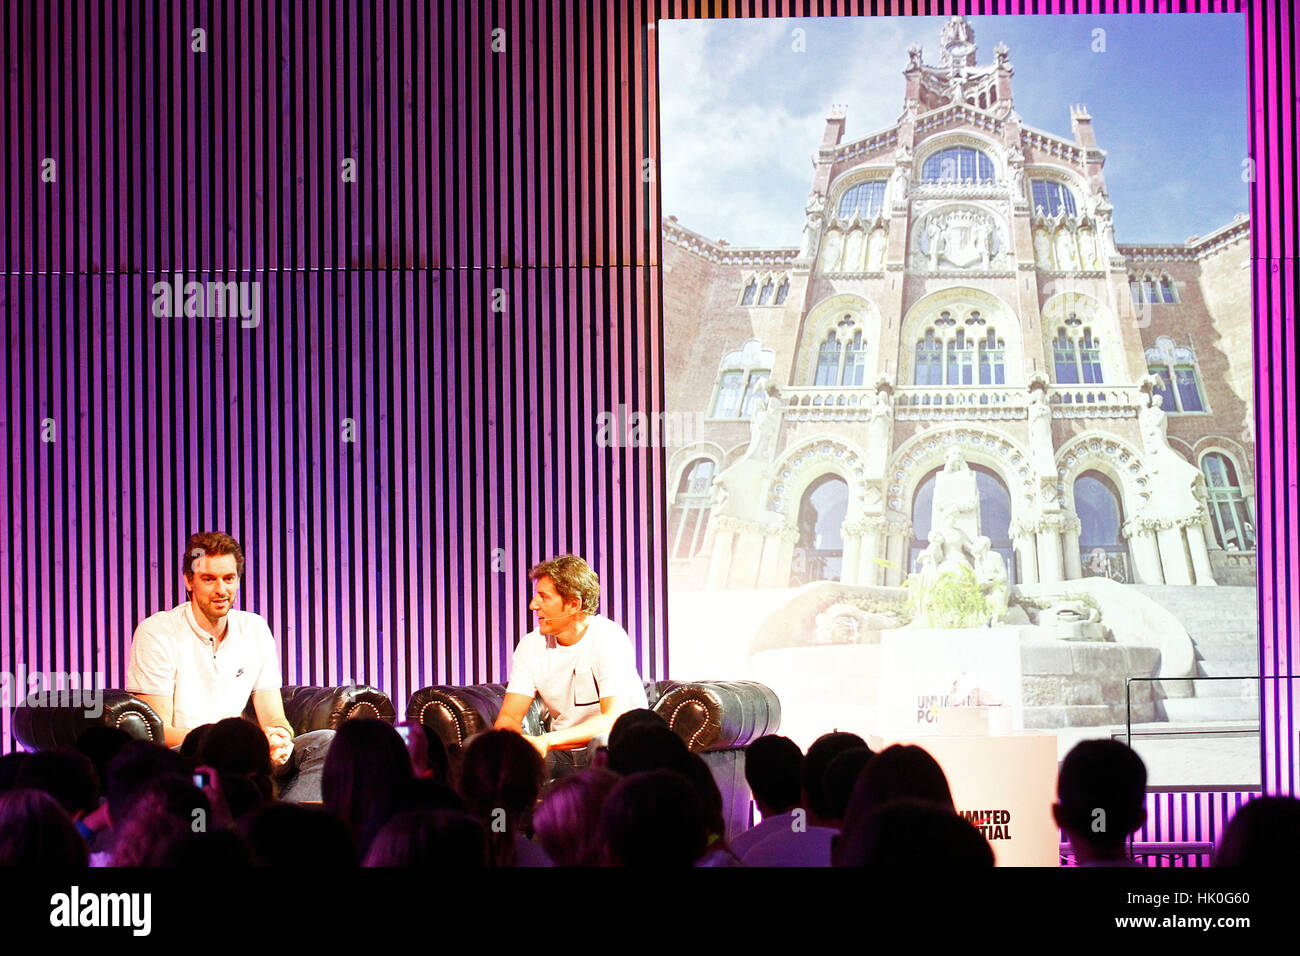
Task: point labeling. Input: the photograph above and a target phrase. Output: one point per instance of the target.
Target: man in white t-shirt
(202, 661)
(580, 663)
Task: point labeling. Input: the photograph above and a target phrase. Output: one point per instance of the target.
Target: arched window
(1180, 378)
(741, 377)
(1152, 290)
(855, 361)
(1090, 357)
(1102, 549)
(995, 515)
(828, 361)
(1232, 520)
(1052, 197)
(864, 199)
(1065, 359)
(731, 388)
(947, 356)
(993, 365)
(690, 513)
(782, 291)
(765, 297)
(961, 360)
(820, 551)
(757, 382)
(957, 164)
(751, 291)
(929, 360)
(1076, 360)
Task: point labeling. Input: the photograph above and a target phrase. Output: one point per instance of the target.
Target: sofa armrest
(456, 714)
(718, 715)
(326, 708)
(49, 719)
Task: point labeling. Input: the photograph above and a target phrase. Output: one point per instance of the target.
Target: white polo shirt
(171, 656)
(572, 679)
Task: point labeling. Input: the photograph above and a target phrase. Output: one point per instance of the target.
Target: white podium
(1005, 785)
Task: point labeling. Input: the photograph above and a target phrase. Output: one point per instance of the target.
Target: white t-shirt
(171, 656)
(572, 679)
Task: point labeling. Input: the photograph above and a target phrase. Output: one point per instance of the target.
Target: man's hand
(281, 742)
(542, 744)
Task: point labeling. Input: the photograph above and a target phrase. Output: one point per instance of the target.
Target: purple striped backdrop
(399, 558)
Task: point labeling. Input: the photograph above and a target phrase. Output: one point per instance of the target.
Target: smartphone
(405, 731)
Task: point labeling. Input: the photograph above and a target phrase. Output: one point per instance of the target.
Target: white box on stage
(1004, 785)
(972, 721)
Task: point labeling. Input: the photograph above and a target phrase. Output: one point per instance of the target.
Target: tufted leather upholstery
(708, 715)
(43, 721)
(717, 719)
(46, 719)
(325, 708)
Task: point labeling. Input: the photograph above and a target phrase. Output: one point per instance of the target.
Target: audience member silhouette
(366, 764)
(1263, 833)
(719, 852)
(897, 773)
(841, 777)
(430, 838)
(646, 746)
(500, 776)
(160, 814)
(66, 775)
(772, 770)
(101, 744)
(654, 819)
(1101, 796)
(823, 750)
(911, 833)
(566, 821)
(36, 831)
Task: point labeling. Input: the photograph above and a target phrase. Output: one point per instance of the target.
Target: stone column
(1049, 553)
(720, 561)
(1070, 528)
(849, 563)
(778, 555)
(1173, 554)
(1195, 532)
(899, 533)
(1146, 555)
(868, 569)
(1024, 546)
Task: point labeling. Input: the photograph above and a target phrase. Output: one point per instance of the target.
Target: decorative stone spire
(958, 43)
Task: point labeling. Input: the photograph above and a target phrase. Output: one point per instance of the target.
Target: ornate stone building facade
(958, 282)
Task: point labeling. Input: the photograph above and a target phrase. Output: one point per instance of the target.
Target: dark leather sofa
(50, 719)
(716, 719)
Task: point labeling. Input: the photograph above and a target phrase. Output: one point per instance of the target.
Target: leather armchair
(50, 719)
(716, 719)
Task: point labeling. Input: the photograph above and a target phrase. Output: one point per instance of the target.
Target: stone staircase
(1223, 624)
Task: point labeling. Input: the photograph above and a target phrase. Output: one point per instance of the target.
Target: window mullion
(699, 530)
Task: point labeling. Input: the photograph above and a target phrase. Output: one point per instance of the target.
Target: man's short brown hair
(573, 578)
(211, 544)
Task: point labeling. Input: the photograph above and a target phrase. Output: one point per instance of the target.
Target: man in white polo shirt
(201, 661)
(580, 663)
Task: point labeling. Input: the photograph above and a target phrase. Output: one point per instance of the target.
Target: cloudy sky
(742, 110)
